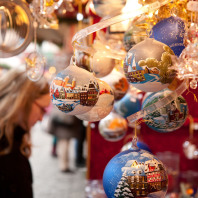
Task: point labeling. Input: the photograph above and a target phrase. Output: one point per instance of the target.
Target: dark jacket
(15, 171)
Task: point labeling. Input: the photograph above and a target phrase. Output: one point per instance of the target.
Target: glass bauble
(16, 27)
(35, 66)
(146, 66)
(103, 106)
(108, 7)
(113, 127)
(168, 118)
(118, 83)
(190, 148)
(101, 64)
(171, 32)
(135, 173)
(74, 90)
(128, 105)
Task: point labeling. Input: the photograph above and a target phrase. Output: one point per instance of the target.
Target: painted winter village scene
(145, 71)
(138, 174)
(169, 117)
(68, 92)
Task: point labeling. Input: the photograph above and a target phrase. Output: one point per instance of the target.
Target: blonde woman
(22, 104)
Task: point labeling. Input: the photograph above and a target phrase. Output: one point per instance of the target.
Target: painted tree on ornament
(123, 188)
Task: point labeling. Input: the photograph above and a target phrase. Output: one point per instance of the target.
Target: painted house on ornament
(145, 178)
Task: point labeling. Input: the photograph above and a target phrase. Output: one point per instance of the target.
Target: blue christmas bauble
(127, 106)
(135, 173)
(147, 66)
(169, 117)
(171, 32)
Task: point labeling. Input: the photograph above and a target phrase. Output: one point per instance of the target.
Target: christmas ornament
(103, 106)
(190, 148)
(128, 105)
(74, 90)
(118, 83)
(187, 65)
(169, 117)
(135, 173)
(170, 31)
(147, 65)
(113, 127)
(108, 7)
(15, 27)
(35, 66)
(100, 59)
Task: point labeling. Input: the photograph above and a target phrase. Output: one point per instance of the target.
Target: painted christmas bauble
(118, 83)
(171, 32)
(135, 173)
(168, 118)
(103, 106)
(101, 64)
(74, 90)
(146, 66)
(128, 105)
(113, 127)
(107, 7)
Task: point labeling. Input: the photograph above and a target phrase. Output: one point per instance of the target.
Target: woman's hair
(17, 93)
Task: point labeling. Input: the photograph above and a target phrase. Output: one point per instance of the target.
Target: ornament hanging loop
(73, 60)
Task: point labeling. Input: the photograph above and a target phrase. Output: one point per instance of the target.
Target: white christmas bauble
(102, 65)
(118, 83)
(147, 66)
(113, 127)
(74, 90)
(103, 106)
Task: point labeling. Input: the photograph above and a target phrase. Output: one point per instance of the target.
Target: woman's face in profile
(39, 108)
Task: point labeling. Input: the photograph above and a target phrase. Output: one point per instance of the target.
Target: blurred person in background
(22, 104)
(65, 127)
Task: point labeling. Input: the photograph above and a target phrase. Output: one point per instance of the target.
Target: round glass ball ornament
(128, 105)
(168, 118)
(35, 66)
(74, 90)
(190, 148)
(170, 31)
(146, 66)
(113, 127)
(135, 173)
(16, 27)
(101, 64)
(103, 106)
(107, 7)
(118, 83)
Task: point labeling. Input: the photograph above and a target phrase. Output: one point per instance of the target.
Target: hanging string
(35, 35)
(195, 97)
(191, 126)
